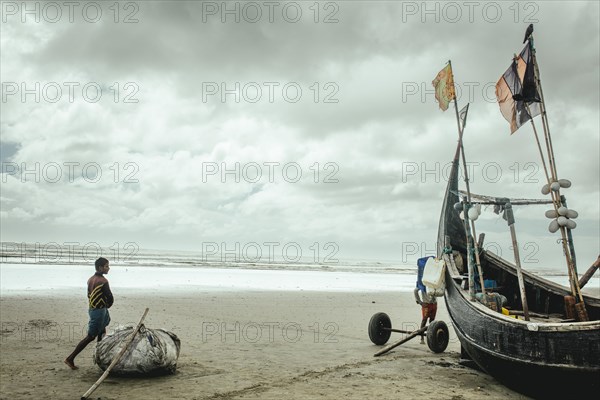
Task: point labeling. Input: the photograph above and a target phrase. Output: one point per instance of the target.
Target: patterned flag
(444, 87)
(517, 92)
(463, 116)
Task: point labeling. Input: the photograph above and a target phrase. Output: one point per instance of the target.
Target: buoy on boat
(546, 189)
(553, 227)
(556, 185)
(564, 183)
(562, 210)
(572, 214)
(551, 214)
(473, 214)
(562, 221)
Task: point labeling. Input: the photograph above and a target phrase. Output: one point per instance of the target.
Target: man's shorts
(99, 320)
(429, 310)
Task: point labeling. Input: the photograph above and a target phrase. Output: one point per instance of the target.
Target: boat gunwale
(539, 326)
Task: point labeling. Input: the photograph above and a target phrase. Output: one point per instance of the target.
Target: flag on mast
(517, 92)
(444, 87)
(463, 116)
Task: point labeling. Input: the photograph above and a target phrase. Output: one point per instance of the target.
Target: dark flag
(463, 116)
(517, 91)
(528, 32)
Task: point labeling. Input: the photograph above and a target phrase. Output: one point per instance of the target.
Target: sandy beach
(236, 344)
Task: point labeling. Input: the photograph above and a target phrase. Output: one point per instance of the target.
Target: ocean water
(55, 254)
(32, 268)
(17, 278)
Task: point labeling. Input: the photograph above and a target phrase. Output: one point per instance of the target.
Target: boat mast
(551, 177)
(470, 237)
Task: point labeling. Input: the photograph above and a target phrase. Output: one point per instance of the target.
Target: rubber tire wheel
(377, 334)
(437, 336)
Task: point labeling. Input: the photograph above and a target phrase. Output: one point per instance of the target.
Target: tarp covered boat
(152, 352)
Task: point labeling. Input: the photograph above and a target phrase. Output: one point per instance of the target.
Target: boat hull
(539, 363)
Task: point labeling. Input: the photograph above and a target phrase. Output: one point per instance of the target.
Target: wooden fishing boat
(546, 357)
(553, 350)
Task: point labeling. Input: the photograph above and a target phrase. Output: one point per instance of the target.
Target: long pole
(510, 218)
(399, 342)
(465, 212)
(556, 196)
(563, 201)
(553, 195)
(589, 273)
(470, 261)
(116, 359)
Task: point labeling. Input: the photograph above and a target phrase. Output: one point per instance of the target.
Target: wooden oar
(399, 342)
(116, 359)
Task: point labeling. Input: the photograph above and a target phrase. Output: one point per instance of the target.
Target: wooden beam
(399, 342)
(589, 273)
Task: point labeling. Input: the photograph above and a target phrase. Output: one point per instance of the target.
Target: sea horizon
(56, 254)
(25, 269)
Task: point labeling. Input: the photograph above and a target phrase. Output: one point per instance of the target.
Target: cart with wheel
(380, 330)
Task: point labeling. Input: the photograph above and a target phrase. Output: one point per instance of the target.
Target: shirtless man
(100, 299)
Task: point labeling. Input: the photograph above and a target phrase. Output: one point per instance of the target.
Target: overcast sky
(177, 125)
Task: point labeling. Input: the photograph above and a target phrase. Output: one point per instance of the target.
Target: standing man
(428, 302)
(100, 299)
